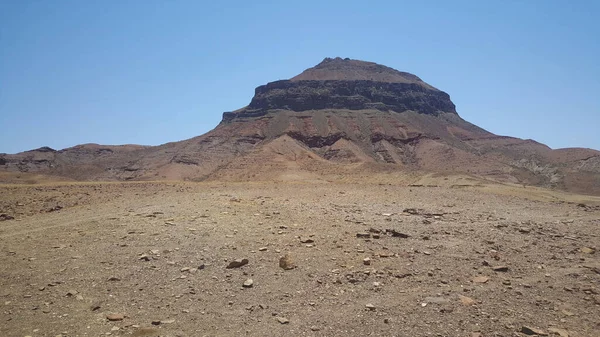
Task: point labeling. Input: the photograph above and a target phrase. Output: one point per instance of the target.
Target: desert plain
(378, 256)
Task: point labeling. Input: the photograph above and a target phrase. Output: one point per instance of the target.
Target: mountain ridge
(340, 116)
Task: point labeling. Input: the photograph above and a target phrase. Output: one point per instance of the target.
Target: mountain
(341, 117)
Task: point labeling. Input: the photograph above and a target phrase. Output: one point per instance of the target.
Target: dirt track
(157, 254)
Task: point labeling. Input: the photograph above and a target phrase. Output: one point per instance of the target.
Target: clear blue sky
(150, 72)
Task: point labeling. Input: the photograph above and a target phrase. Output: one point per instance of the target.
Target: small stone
(115, 328)
(500, 268)
(363, 235)
(113, 279)
(115, 317)
(184, 269)
(367, 261)
(587, 250)
(283, 320)
(524, 230)
(397, 234)
(262, 249)
(248, 283)
(315, 328)
(156, 322)
(370, 306)
(466, 300)
(144, 257)
(533, 331)
(71, 293)
(286, 263)
(237, 263)
(480, 279)
(306, 240)
(4, 217)
(558, 331)
(567, 313)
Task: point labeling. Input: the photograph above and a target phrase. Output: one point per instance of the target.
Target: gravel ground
(150, 259)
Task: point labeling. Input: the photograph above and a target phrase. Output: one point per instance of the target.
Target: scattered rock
(54, 209)
(248, 283)
(367, 261)
(5, 217)
(533, 331)
(480, 279)
(500, 268)
(115, 317)
(466, 300)
(303, 240)
(283, 320)
(113, 279)
(237, 263)
(558, 331)
(396, 234)
(363, 235)
(286, 263)
(156, 322)
(71, 293)
(370, 306)
(262, 249)
(567, 313)
(144, 257)
(588, 250)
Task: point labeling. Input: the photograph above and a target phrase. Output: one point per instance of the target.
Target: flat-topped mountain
(341, 117)
(338, 69)
(348, 84)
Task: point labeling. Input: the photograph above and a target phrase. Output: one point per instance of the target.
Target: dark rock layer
(352, 95)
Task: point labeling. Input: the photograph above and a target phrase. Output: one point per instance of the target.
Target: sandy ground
(150, 259)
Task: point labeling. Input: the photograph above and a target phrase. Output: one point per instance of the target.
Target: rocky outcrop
(351, 95)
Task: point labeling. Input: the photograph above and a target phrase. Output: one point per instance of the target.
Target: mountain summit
(338, 69)
(349, 84)
(341, 117)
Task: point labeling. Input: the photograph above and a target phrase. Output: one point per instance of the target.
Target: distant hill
(341, 116)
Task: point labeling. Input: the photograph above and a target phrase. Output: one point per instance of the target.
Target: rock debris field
(294, 259)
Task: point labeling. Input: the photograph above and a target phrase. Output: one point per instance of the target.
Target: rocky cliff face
(344, 94)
